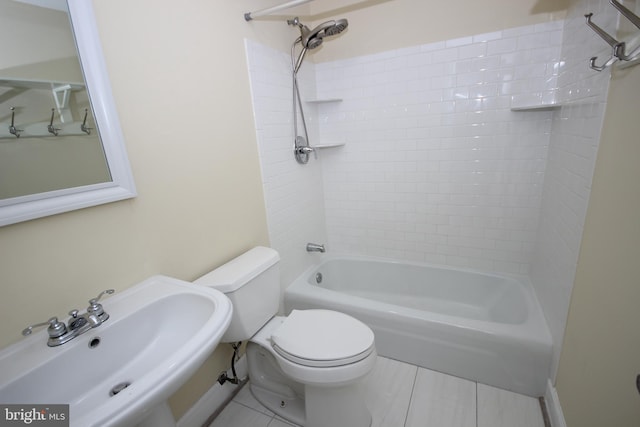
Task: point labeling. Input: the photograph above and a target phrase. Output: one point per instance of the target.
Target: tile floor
(403, 395)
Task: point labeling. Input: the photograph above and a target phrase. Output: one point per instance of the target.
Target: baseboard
(553, 406)
(213, 400)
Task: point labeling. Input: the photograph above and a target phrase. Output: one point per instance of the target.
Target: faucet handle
(94, 301)
(96, 309)
(55, 329)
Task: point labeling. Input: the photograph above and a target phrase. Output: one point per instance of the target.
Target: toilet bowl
(305, 367)
(309, 353)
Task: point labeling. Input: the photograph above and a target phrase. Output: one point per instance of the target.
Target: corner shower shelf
(539, 107)
(323, 101)
(539, 101)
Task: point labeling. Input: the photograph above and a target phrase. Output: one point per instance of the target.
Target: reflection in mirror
(58, 151)
(43, 98)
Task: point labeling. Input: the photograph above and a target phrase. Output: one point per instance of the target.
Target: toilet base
(288, 406)
(304, 404)
(320, 406)
(336, 407)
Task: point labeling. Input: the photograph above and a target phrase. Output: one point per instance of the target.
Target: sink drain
(118, 388)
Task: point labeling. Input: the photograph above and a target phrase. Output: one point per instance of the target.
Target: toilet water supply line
(223, 377)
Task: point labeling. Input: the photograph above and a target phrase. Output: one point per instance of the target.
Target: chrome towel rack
(618, 47)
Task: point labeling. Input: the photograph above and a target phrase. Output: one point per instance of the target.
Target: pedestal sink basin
(121, 372)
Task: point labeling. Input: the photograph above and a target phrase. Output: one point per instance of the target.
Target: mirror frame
(24, 208)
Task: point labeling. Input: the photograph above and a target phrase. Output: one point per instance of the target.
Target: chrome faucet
(315, 247)
(78, 324)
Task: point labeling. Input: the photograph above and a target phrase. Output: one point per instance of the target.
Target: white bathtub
(481, 327)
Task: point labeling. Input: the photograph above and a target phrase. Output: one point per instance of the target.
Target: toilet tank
(252, 283)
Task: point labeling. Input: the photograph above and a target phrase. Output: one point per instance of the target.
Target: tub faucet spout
(315, 247)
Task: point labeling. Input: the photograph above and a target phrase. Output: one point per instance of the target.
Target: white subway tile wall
(436, 166)
(294, 197)
(575, 137)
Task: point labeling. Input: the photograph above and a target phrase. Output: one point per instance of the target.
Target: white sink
(158, 333)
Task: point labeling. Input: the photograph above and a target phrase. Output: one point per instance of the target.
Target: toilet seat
(322, 338)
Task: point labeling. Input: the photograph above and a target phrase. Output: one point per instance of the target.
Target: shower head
(311, 39)
(338, 26)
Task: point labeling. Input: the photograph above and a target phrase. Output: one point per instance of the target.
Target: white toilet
(304, 367)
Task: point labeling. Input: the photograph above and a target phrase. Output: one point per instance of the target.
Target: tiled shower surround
(436, 166)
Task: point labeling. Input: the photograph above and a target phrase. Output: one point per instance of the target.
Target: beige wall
(180, 83)
(379, 25)
(601, 352)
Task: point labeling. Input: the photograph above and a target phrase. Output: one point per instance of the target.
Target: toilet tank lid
(231, 276)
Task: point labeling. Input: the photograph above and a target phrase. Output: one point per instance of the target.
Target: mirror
(43, 93)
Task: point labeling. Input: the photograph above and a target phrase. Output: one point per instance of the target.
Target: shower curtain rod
(250, 15)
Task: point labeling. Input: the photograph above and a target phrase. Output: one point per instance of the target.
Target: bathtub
(482, 327)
